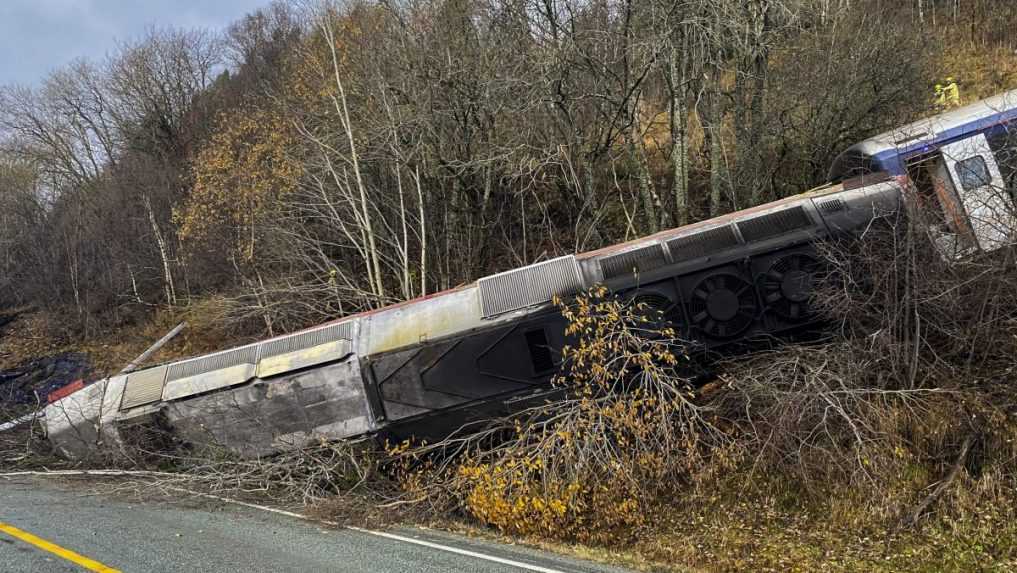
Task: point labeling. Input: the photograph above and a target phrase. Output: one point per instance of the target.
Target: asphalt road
(48, 526)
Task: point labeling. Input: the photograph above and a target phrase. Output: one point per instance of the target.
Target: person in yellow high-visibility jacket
(951, 93)
(940, 100)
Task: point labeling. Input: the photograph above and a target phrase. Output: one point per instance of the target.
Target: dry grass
(35, 334)
(981, 72)
(30, 336)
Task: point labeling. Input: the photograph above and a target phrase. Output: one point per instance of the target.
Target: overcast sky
(37, 36)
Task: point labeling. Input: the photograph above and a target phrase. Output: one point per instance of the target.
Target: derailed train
(481, 350)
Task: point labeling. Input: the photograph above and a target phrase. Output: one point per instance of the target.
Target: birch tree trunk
(714, 123)
(171, 292)
(760, 66)
(679, 137)
(637, 157)
(404, 247)
(423, 232)
(344, 117)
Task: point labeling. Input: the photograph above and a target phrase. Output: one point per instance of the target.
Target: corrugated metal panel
(773, 224)
(237, 356)
(635, 261)
(702, 244)
(535, 284)
(143, 387)
(300, 341)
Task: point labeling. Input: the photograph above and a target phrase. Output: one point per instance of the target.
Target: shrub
(625, 435)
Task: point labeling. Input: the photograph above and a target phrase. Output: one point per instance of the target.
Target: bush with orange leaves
(591, 465)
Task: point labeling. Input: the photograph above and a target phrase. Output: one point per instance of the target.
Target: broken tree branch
(936, 493)
(134, 364)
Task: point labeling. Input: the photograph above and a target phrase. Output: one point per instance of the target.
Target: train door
(934, 195)
(972, 169)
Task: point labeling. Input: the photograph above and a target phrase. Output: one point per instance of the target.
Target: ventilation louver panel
(636, 261)
(143, 387)
(211, 363)
(832, 206)
(304, 340)
(528, 286)
(702, 244)
(774, 224)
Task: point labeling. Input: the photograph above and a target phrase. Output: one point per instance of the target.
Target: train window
(540, 351)
(973, 173)
(1004, 147)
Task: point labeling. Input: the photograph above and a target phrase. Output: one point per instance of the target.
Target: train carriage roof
(920, 136)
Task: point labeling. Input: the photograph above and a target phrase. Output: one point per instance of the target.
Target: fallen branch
(941, 487)
(134, 364)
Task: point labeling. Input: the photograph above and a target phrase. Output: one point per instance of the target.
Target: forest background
(313, 161)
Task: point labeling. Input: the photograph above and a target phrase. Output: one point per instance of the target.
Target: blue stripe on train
(894, 161)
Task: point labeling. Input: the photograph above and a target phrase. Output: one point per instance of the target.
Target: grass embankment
(760, 533)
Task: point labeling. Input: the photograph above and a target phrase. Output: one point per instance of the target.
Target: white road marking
(392, 536)
(114, 473)
(484, 556)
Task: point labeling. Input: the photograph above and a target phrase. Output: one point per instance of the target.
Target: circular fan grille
(651, 303)
(722, 305)
(788, 284)
(657, 308)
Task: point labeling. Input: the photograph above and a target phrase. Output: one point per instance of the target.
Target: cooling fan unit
(658, 309)
(722, 305)
(788, 284)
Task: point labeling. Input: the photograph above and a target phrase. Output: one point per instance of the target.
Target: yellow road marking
(55, 549)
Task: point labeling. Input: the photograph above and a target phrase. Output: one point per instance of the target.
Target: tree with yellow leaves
(594, 464)
(240, 175)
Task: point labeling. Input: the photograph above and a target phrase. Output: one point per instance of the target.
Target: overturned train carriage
(428, 365)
